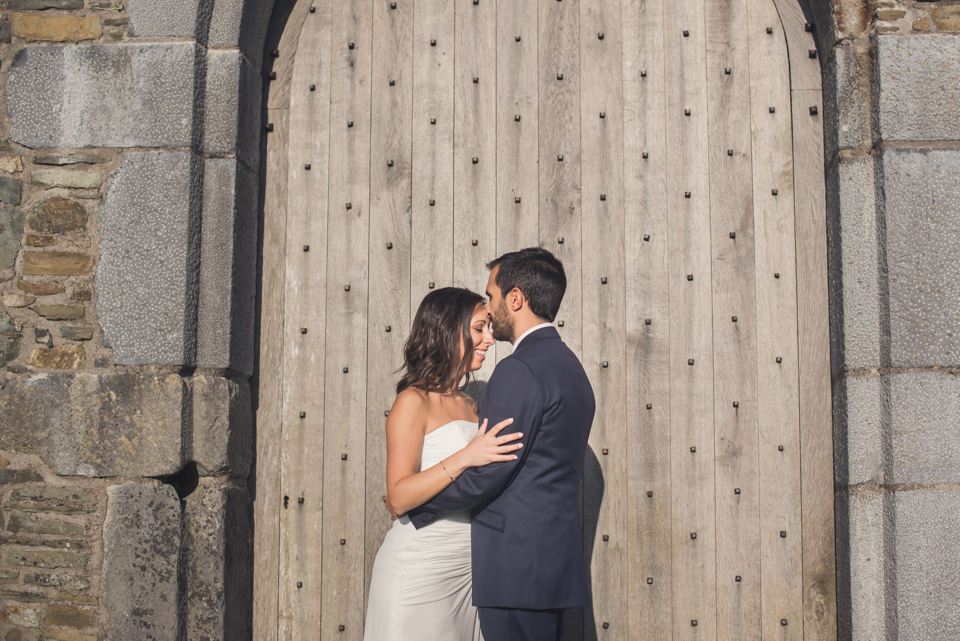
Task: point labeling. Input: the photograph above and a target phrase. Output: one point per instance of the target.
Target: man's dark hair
(538, 274)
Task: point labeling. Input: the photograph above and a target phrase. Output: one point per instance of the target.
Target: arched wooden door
(670, 153)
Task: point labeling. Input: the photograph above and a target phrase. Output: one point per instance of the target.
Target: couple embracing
(487, 541)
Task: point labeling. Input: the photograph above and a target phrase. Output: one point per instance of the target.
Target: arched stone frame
(281, 42)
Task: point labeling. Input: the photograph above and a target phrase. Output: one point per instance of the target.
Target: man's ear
(515, 299)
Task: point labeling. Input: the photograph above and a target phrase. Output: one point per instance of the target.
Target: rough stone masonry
(129, 163)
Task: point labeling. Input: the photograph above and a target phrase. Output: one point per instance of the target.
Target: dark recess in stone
(185, 481)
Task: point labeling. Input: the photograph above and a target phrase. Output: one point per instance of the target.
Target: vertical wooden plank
(559, 180)
(475, 148)
(517, 142)
(734, 322)
(691, 349)
(604, 322)
(517, 128)
(647, 345)
(432, 171)
(558, 84)
(777, 401)
(816, 426)
(389, 295)
(346, 353)
(816, 434)
(302, 438)
(268, 499)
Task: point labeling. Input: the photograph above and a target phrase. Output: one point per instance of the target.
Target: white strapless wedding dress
(422, 586)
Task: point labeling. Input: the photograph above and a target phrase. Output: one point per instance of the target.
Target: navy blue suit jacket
(527, 545)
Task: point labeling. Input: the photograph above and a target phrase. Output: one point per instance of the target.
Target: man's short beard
(502, 324)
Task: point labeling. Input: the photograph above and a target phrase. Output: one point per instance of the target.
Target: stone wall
(129, 161)
(893, 78)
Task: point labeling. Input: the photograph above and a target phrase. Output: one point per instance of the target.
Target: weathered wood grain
(693, 476)
(432, 169)
(604, 323)
(346, 345)
(734, 295)
(475, 148)
(303, 375)
(389, 294)
(804, 71)
(647, 345)
(517, 140)
(816, 425)
(559, 180)
(283, 64)
(777, 388)
(267, 501)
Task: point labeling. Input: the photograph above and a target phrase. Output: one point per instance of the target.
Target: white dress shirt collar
(516, 343)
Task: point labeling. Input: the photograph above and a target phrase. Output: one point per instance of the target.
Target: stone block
(17, 299)
(243, 24)
(222, 426)
(857, 275)
(149, 251)
(56, 263)
(9, 576)
(58, 215)
(64, 500)
(227, 305)
(11, 230)
(19, 524)
(868, 557)
(81, 159)
(10, 189)
(865, 419)
(79, 600)
(22, 597)
(947, 18)
(43, 558)
(925, 408)
(70, 582)
(928, 564)
(9, 476)
(39, 5)
(11, 164)
(141, 539)
(67, 178)
(923, 252)
(847, 77)
(76, 333)
(86, 424)
(40, 287)
(59, 312)
(19, 615)
(118, 95)
(232, 111)
(66, 616)
(217, 541)
(61, 357)
(40, 241)
(172, 20)
(9, 347)
(34, 27)
(919, 87)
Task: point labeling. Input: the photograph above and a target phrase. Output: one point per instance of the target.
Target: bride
(421, 586)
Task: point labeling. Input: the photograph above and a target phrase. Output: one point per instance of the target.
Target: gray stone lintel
(118, 95)
(97, 425)
(141, 556)
(847, 98)
(923, 252)
(919, 80)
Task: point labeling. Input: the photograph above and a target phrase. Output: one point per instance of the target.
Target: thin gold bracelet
(448, 473)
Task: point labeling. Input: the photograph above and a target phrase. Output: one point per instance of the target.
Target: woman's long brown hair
(431, 355)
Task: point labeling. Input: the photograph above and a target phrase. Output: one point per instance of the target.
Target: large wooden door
(670, 154)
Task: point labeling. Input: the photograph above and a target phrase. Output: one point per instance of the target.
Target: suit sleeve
(513, 392)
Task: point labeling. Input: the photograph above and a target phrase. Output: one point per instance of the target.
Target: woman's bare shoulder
(411, 405)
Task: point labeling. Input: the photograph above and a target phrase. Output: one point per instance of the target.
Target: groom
(528, 560)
